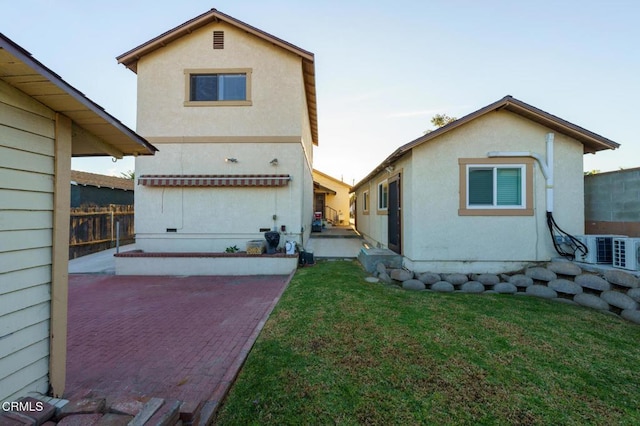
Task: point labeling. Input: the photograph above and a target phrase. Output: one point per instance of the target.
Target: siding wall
(27, 132)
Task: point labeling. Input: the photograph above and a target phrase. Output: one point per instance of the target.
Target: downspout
(558, 236)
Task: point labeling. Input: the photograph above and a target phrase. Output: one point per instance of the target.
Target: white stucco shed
(448, 205)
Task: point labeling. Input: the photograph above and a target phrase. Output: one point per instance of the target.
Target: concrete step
(369, 257)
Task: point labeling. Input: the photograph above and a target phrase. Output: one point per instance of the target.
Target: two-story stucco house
(474, 195)
(232, 110)
(43, 123)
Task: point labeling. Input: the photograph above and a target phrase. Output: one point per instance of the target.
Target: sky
(383, 68)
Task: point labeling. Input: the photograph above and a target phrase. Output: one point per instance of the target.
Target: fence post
(118, 236)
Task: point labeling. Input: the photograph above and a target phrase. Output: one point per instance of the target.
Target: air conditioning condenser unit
(626, 253)
(600, 249)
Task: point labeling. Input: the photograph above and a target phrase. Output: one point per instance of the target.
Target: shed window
(383, 195)
(496, 186)
(365, 201)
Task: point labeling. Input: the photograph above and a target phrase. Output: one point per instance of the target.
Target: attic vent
(218, 39)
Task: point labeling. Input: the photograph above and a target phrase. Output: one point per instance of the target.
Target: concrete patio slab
(181, 338)
(338, 242)
(101, 262)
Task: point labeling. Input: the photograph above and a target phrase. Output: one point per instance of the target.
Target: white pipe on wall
(549, 177)
(545, 166)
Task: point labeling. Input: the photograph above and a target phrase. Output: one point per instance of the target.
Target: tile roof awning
(214, 180)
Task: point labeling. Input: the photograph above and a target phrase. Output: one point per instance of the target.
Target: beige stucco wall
(197, 139)
(339, 201)
(276, 88)
(437, 238)
(212, 219)
(373, 225)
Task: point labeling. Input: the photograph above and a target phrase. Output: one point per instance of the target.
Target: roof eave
(129, 58)
(592, 142)
(26, 58)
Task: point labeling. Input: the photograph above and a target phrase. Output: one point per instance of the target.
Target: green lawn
(340, 350)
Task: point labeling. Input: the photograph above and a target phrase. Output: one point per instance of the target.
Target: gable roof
(130, 59)
(22, 71)
(101, 181)
(591, 142)
(331, 178)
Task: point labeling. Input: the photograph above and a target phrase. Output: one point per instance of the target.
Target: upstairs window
(218, 87)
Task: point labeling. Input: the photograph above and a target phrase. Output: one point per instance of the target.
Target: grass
(337, 349)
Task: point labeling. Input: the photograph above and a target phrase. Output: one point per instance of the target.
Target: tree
(131, 174)
(440, 120)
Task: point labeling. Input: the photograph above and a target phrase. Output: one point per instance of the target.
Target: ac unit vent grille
(218, 39)
(626, 253)
(604, 250)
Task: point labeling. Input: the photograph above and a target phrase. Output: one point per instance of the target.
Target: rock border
(612, 290)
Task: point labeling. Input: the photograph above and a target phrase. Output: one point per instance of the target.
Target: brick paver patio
(178, 338)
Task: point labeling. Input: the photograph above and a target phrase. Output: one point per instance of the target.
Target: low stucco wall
(205, 264)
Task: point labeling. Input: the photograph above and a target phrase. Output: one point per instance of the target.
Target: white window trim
(383, 184)
(494, 168)
(366, 202)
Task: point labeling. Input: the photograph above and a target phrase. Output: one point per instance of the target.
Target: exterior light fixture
(274, 162)
(230, 160)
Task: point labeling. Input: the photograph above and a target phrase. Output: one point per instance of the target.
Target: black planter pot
(273, 239)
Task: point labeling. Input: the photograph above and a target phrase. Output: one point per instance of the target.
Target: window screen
(480, 187)
(218, 87)
(495, 186)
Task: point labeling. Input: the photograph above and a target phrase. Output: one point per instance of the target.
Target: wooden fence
(93, 229)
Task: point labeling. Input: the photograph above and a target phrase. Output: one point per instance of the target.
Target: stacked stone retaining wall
(612, 290)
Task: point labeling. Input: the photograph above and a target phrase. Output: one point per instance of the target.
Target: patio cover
(320, 189)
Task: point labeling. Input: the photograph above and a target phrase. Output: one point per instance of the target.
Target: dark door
(319, 203)
(394, 216)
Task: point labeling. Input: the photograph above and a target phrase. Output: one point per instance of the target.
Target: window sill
(216, 103)
(383, 212)
(495, 212)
